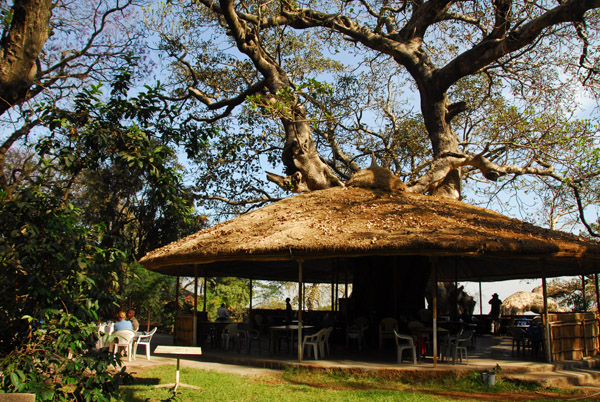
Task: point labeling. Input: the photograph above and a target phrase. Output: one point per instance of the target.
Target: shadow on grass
(145, 381)
(140, 385)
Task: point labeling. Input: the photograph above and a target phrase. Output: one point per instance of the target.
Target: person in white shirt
(134, 321)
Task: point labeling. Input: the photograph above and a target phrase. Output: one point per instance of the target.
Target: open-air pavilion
(388, 245)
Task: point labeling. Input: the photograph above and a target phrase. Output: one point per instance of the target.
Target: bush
(59, 362)
(54, 279)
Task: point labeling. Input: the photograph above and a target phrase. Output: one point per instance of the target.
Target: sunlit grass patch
(302, 385)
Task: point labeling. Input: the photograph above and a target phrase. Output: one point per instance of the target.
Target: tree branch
(491, 48)
(581, 211)
(229, 104)
(8, 143)
(445, 163)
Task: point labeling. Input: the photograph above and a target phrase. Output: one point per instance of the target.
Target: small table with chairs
(291, 329)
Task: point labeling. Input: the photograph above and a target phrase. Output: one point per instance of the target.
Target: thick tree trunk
(20, 48)
(300, 155)
(305, 169)
(443, 141)
(386, 286)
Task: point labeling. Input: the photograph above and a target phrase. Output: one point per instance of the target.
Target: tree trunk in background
(386, 286)
(20, 48)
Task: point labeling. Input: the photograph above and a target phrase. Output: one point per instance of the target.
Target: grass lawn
(305, 386)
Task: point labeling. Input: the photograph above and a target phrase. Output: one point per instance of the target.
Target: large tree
(521, 61)
(48, 49)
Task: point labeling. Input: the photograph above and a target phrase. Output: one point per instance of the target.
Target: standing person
(123, 323)
(222, 313)
(131, 317)
(289, 313)
(495, 302)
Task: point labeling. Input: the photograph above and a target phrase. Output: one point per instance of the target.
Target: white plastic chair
(246, 335)
(357, 331)
(144, 340)
(230, 333)
(447, 346)
(460, 347)
(123, 338)
(386, 329)
(315, 340)
(405, 342)
(325, 343)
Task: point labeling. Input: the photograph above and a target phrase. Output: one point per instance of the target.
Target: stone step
(560, 378)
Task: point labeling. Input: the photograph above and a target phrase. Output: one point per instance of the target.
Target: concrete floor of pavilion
(487, 352)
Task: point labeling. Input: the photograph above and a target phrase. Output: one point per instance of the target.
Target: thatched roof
(520, 302)
(327, 229)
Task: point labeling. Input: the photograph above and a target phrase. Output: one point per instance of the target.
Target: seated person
(123, 323)
(134, 321)
(536, 335)
(222, 313)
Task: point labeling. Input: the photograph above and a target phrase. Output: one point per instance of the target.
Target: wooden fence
(185, 332)
(574, 336)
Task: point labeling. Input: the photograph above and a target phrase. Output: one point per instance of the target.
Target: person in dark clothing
(289, 313)
(495, 302)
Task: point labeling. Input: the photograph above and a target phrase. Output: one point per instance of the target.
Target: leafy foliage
(151, 295)
(53, 272)
(569, 293)
(103, 188)
(233, 292)
(117, 161)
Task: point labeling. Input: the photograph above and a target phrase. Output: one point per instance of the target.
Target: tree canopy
(441, 92)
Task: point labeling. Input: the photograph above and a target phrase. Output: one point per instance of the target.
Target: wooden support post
(204, 292)
(597, 285)
(195, 319)
(300, 303)
(455, 308)
(251, 285)
(584, 329)
(597, 293)
(583, 295)
(346, 286)
(333, 292)
(337, 292)
(480, 300)
(547, 339)
(434, 263)
(176, 308)
(396, 279)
